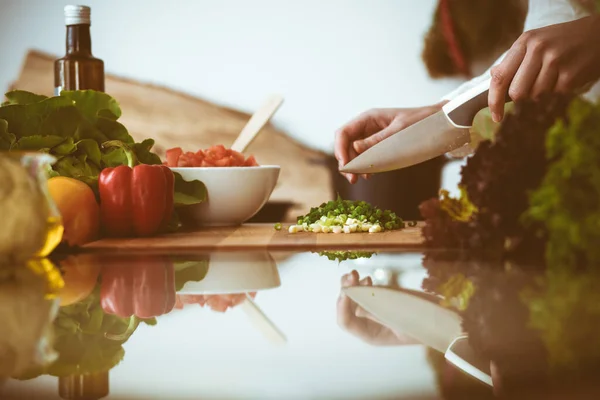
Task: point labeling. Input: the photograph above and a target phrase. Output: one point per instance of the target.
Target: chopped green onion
(357, 216)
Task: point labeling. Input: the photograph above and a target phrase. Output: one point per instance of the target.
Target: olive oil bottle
(91, 386)
(78, 69)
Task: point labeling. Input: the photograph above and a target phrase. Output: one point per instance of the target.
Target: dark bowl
(273, 211)
(401, 191)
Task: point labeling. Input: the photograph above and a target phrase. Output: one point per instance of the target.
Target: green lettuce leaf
(73, 127)
(64, 121)
(113, 157)
(565, 207)
(90, 132)
(27, 120)
(65, 148)
(76, 166)
(143, 153)
(93, 104)
(91, 149)
(114, 130)
(187, 193)
(484, 127)
(460, 209)
(38, 142)
(7, 139)
(175, 223)
(23, 97)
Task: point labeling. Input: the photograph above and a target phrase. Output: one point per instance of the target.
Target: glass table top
(280, 325)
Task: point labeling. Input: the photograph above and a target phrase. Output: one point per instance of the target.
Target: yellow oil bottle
(54, 236)
(37, 165)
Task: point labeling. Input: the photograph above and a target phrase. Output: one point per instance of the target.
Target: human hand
(371, 127)
(362, 324)
(558, 58)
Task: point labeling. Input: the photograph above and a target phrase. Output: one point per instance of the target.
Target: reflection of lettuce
(565, 310)
(457, 291)
(87, 339)
(189, 271)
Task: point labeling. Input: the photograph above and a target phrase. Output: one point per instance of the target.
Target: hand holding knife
(440, 133)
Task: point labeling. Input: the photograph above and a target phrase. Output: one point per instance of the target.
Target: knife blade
(420, 316)
(440, 133)
(411, 314)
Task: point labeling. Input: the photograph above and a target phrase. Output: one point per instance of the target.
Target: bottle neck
(79, 40)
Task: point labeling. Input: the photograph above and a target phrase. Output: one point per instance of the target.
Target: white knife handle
(461, 355)
(461, 110)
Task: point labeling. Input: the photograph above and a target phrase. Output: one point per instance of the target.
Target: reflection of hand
(362, 324)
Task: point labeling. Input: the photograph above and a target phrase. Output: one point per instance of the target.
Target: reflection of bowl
(235, 194)
(236, 273)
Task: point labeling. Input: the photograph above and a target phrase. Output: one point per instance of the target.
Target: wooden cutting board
(261, 236)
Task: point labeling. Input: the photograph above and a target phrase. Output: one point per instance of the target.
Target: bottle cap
(77, 15)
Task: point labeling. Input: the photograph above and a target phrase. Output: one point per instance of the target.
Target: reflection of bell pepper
(135, 200)
(145, 288)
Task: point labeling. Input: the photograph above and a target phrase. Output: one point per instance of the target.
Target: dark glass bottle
(84, 387)
(78, 69)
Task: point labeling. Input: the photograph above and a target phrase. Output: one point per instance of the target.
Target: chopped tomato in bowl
(215, 156)
(237, 187)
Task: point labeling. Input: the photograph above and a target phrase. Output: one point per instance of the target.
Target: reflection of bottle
(78, 69)
(84, 387)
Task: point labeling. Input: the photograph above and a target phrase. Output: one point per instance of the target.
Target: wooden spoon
(262, 322)
(258, 120)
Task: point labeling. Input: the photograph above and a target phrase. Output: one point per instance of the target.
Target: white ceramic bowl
(235, 194)
(233, 272)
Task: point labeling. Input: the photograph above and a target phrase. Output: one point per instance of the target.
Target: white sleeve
(473, 82)
(540, 13)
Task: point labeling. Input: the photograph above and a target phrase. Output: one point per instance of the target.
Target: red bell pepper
(141, 286)
(135, 199)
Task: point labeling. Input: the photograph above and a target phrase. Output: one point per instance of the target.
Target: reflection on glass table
(363, 324)
(175, 326)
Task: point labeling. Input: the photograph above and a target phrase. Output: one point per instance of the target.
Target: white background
(330, 59)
